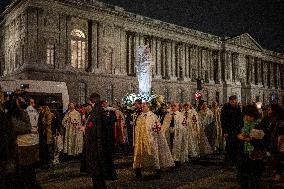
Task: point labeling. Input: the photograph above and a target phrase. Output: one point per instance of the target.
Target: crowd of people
(33, 136)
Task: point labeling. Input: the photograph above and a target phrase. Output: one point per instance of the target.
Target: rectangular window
(50, 54)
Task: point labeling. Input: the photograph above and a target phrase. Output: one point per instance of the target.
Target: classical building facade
(91, 46)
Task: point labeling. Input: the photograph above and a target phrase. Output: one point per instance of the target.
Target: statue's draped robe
(73, 139)
(143, 69)
(179, 147)
(151, 149)
(193, 129)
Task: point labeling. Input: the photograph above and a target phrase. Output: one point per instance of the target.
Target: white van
(53, 93)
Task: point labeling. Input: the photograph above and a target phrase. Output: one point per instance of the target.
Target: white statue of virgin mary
(144, 69)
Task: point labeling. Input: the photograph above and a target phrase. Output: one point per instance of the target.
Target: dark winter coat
(276, 128)
(7, 139)
(99, 162)
(231, 120)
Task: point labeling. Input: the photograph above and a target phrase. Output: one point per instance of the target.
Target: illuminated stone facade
(91, 46)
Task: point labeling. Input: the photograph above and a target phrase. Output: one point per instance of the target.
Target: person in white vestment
(175, 131)
(151, 150)
(206, 118)
(73, 139)
(193, 129)
(33, 114)
(219, 139)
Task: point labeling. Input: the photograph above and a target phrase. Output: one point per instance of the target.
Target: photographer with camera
(27, 151)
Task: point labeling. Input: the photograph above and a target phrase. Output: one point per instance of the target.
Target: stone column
(94, 37)
(136, 45)
(174, 75)
(277, 76)
(154, 55)
(189, 61)
(158, 63)
(281, 76)
(253, 70)
(169, 60)
(229, 67)
(225, 66)
(234, 79)
(272, 84)
(123, 51)
(259, 72)
(100, 66)
(264, 71)
(177, 51)
(200, 55)
(211, 67)
(185, 62)
(219, 78)
(204, 64)
(129, 53)
(163, 64)
(248, 68)
(237, 68)
(182, 61)
(268, 74)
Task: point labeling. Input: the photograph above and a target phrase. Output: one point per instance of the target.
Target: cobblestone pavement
(202, 174)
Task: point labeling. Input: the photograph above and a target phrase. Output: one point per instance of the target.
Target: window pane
(77, 33)
(48, 56)
(83, 65)
(73, 53)
(82, 93)
(79, 52)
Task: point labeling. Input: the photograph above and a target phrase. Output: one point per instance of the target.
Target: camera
(9, 93)
(24, 86)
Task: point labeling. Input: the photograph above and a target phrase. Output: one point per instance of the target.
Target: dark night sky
(262, 19)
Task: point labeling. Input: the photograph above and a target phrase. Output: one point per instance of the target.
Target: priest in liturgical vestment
(151, 150)
(73, 139)
(193, 129)
(219, 140)
(175, 131)
(206, 140)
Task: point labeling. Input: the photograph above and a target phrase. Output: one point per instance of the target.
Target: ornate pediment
(246, 41)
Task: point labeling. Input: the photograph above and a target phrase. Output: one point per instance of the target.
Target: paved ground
(203, 174)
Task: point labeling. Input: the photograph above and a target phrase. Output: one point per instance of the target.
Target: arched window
(109, 95)
(78, 49)
(82, 92)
